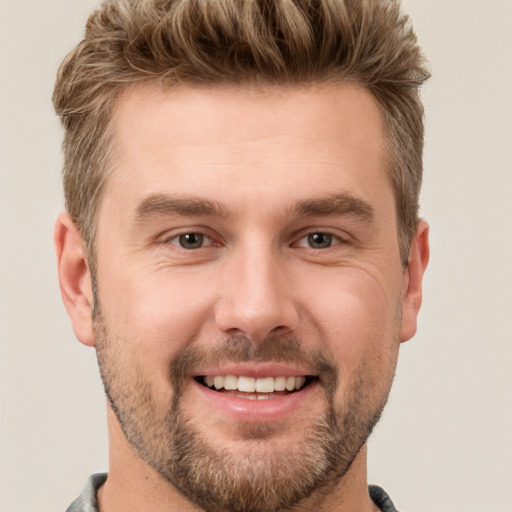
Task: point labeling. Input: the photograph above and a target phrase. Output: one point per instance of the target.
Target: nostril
(256, 310)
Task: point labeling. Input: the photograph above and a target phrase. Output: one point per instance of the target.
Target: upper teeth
(252, 385)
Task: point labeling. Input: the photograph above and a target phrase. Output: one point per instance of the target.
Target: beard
(261, 477)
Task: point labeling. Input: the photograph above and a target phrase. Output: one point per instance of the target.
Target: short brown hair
(239, 42)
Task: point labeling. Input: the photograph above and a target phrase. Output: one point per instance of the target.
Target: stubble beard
(253, 480)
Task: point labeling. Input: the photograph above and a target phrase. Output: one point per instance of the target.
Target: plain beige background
(444, 443)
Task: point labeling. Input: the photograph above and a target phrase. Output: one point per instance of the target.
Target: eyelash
(332, 239)
(202, 233)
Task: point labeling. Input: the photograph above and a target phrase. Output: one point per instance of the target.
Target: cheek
(358, 320)
(156, 314)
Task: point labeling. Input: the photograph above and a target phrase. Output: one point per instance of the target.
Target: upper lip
(255, 370)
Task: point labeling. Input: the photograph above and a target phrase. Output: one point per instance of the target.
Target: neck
(134, 485)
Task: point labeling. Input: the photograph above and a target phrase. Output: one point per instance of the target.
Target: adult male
(242, 245)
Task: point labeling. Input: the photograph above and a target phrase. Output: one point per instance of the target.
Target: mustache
(275, 347)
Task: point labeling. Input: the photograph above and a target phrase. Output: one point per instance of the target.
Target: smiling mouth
(251, 388)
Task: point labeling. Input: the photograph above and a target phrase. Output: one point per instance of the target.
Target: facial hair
(251, 480)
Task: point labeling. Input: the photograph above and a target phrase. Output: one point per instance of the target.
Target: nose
(256, 296)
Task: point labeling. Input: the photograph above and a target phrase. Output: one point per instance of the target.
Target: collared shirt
(87, 501)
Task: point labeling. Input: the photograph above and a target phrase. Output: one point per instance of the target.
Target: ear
(412, 281)
(74, 278)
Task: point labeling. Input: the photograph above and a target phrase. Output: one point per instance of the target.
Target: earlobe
(74, 278)
(412, 288)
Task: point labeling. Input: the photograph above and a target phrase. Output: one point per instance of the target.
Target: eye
(191, 241)
(318, 240)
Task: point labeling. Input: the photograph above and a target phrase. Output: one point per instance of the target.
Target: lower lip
(242, 409)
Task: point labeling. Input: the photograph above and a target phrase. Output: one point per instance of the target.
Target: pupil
(191, 240)
(320, 240)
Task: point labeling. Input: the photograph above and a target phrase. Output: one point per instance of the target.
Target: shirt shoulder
(380, 497)
(87, 501)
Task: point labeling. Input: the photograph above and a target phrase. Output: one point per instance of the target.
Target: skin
(260, 155)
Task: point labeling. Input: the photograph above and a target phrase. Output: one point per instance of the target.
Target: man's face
(249, 287)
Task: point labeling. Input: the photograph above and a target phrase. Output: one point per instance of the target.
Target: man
(241, 244)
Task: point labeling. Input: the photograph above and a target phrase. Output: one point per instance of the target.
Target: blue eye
(318, 240)
(191, 240)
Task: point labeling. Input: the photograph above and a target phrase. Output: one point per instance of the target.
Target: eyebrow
(163, 204)
(335, 204)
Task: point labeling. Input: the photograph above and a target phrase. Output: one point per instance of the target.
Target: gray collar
(87, 501)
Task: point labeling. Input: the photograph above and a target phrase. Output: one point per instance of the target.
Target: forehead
(208, 114)
(232, 103)
(254, 140)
